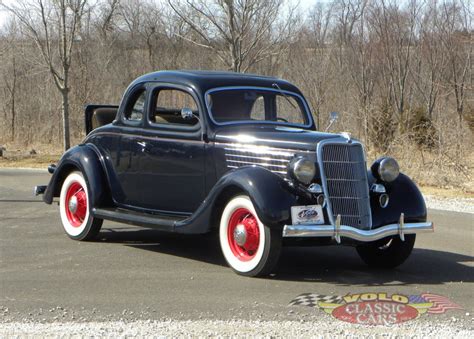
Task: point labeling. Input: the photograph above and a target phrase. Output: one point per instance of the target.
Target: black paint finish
(405, 198)
(85, 159)
(180, 174)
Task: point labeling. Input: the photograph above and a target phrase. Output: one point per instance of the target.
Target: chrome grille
(271, 159)
(344, 170)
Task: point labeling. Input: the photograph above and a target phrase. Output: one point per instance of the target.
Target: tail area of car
(99, 115)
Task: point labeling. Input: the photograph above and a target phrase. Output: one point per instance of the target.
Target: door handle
(144, 146)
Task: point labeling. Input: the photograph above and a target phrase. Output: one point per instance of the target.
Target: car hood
(273, 136)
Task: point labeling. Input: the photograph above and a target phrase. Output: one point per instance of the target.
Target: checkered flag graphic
(312, 299)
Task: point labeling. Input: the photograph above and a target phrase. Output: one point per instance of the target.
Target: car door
(125, 176)
(170, 162)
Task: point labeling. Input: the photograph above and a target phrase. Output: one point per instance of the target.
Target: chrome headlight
(302, 169)
(386, 169)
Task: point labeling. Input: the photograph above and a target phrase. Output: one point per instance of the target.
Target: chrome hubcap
(73, 204)
(240, 235)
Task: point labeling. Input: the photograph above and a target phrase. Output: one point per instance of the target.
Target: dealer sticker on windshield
(311, 214)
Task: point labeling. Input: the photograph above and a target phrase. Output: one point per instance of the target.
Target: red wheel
(243, 234)
(76, 202)
(249, 247)
(74, 207)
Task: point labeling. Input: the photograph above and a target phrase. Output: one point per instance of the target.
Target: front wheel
(249, 247)
(74, 207)
(388, 252)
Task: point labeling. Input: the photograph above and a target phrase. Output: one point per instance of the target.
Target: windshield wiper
(275, 85)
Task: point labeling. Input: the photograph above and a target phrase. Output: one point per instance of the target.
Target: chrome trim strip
(308, 231)
(147, 137)
(273, 159)
(256, 158)
(319, 152)
(256, 163)
(233, 88)
(260, 149)
(281, 172)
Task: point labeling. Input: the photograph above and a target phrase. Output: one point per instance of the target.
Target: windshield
(229, 105)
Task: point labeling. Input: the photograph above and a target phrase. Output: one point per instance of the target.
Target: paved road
(133, 273)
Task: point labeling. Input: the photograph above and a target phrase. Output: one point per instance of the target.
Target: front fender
(271, 196)
(85, 159)
(405, 197)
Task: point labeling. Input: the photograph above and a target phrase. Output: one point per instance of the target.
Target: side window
(258, 109)
(168, 104)
(288, 109)
(136, 106)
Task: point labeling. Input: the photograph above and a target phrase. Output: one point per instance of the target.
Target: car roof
(203, 80)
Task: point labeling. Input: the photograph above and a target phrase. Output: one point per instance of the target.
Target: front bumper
(337, 231)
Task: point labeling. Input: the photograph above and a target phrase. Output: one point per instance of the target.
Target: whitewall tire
(249, 247)
(74, 208)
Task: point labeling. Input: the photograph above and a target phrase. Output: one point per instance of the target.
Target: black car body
(182, 144)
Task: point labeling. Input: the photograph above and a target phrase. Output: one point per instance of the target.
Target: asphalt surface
(130, 273)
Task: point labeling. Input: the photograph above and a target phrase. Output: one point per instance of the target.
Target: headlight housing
(302, 169)
(386, 169)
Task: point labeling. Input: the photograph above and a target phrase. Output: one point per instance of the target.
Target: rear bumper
(337, 231)
(39, 189)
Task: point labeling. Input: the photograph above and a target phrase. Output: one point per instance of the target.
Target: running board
(160, 222)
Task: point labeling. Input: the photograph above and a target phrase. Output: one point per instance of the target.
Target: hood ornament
(347, 136)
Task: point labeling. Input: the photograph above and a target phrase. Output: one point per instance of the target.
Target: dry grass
(450, 193)
(20, 156)
(443, 169)
(29, 161)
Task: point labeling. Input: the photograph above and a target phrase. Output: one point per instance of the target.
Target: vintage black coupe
(197, 151)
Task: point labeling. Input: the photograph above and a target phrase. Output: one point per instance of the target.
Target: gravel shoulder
(235, 328)
(460, 204)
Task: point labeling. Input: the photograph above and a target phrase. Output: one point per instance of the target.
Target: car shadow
(339, 265)
(203, 248)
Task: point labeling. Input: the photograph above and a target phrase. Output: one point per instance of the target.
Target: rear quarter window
(135, 106)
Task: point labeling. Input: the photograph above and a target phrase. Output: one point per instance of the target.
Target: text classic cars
(198, 151)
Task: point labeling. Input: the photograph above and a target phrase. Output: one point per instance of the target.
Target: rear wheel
(388, 252)
(249, 247)
(74, 208)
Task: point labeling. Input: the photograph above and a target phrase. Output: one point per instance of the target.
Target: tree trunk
(13, 112)
(13, 99)
(65, 112)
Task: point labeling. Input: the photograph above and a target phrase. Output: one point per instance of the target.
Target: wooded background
(399, 72)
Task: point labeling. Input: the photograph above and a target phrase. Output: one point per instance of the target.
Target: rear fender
(83, 158)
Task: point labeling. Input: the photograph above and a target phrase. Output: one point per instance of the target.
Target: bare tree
(174, 28)
(429, 59)
(458, 43)
(107, 12)
(310, 52)
(240, 32)
(362, 70)
(143, 20)
(400, 72)
(54, 28)
(10, 75)
(395, 29)
(347, 13)
(11, 86)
